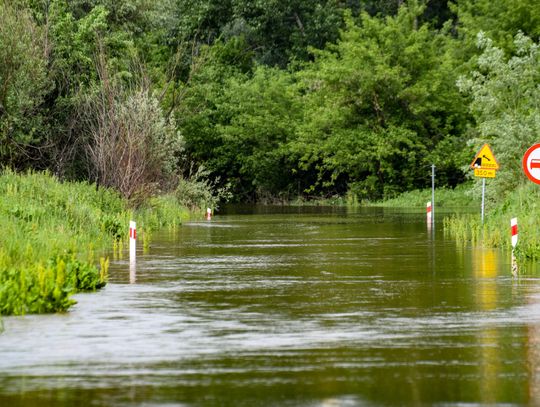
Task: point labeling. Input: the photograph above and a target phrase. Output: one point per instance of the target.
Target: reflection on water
(299, 307)
(132, 271)
(485, 267)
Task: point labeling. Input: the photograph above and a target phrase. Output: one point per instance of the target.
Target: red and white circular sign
(531, 163)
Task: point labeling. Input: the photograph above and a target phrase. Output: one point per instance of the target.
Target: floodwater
(289, 307)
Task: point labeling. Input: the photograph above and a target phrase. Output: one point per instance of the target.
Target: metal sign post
(485, 166)
(483, 197)
(432, 194)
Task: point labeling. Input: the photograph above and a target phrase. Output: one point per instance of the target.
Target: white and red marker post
(208, 214)
(514, 231)
(429, 212)
(132, 251)
(132, 241)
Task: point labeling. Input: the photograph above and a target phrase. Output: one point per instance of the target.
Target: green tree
(277, 31)
(261, 116)
(378, 104)
(196, 102)
(237, 124)
(23, 85)
(75, 40)
(506, 104)
(500, 20)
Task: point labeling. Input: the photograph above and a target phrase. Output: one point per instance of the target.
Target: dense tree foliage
(500, 20)
(378, 102)
(506, 103)
(23, 85)
(275, 30)
(275, 99)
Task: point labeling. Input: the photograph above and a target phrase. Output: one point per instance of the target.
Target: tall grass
(161, 211)
(459, 197)
(55, 234)
(523, 203)
(51, 231)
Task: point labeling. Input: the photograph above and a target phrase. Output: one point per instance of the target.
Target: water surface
(289, 307)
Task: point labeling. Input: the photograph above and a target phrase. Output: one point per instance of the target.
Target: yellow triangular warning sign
(485, 159)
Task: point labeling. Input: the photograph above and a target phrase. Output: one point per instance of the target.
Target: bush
(198, 193)
(130, 145)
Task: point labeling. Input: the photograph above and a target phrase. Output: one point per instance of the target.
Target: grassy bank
(55, 236)
(462, 196)
(459, 197)
(523, 203)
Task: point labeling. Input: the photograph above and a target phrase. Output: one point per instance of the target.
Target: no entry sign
(531, 163)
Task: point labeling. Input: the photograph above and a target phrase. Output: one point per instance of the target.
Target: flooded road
(289, 307)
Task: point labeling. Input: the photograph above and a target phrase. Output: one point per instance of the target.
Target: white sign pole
(433, 193)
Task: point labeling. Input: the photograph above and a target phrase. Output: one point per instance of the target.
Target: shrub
(197, 192)
(130, 145)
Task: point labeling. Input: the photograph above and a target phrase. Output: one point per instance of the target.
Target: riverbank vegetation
(274, 101)
(461, 197)
(505, 103)
(495, 232)
(50, 235)
(172, 102)
(56, 236)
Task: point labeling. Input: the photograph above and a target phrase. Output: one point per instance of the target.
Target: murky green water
(307, 308)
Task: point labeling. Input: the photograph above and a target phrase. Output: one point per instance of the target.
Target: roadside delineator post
(132, 241)
(132, 251)
(208, 213)
(514, 232)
